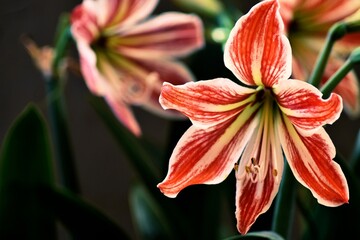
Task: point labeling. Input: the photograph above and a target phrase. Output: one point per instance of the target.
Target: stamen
(236, 167)
(253, 169)
(255, 161)
(275, 172)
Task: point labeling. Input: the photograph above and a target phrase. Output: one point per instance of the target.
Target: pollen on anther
(275, 172)
(247, 169)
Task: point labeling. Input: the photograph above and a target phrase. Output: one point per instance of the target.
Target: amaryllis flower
(307, 23)
(253, 124)
(126, 59)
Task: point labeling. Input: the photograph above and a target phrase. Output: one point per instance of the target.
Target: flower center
(263, 148)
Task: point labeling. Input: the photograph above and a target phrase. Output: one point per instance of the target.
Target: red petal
(83, 25)
(303, 105)
(261, 56)
(255, 198)
(310, 159)
(207, 156)
(207, 102)
(259, 171)
(159, 72)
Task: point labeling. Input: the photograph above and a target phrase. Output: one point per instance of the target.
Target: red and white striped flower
(125, 58)
(307, 23)
(253, 124)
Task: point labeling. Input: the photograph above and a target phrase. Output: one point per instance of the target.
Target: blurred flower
(42, 57)
(254, 122)
(125, 59)
(208, 7)
(307, 23)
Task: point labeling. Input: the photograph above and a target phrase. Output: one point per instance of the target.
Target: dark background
(104, 172)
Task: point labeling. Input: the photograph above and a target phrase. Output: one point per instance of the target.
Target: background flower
(307, 23)
(126, 59)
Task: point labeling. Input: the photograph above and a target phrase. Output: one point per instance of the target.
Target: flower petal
(303, 105)
(160, 71)
(327, 11)
(124, 114)
(95, 81)
(310, 159)
(287, 8)
(259, 171)
(167, 35)
(261, 57)
(83, 25)
(209, 102)
(207, 156)
(116, 14)
(255, 198)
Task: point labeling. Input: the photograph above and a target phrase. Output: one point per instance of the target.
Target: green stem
(284, 206)
(60, 134)
(317, 73)
(57, 115)
(61, 43)
(335, 33)
(341, 73)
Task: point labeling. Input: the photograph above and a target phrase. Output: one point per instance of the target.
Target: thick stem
(60, 135)
(57, 113)
(335, 33)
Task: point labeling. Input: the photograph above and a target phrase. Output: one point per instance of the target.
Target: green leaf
(148, 217)
(258, 235)
(133, 147)
(25, 166)
(81, 219)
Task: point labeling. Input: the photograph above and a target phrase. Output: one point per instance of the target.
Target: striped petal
(113, 15)
(207, 156)
(207, 103)
(159, 72)
(139, 82)
(259, 173)
(167, 35)
(88, 65)
(261, 57)
(304, 107)
(310, 159)
(254, 198)
(84, 25)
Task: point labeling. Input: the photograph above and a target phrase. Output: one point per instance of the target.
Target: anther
(236, 167)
